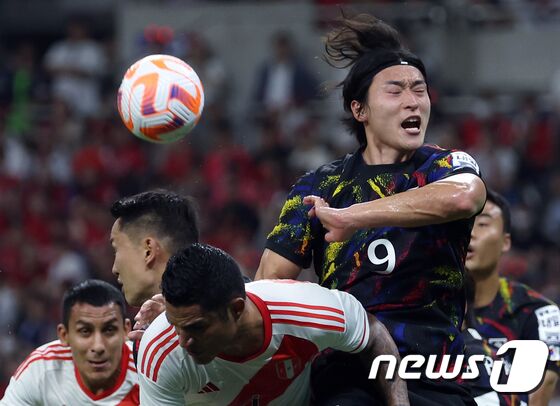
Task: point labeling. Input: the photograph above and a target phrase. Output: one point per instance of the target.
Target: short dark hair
(166, 213)
(367, 45)
(202, 275)
(502, 203)
(93, 292)
(470, 290)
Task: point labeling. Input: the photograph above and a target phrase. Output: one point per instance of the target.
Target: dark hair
(470, 290)
(368, 45)
(501, 202)
(202, 275)
(93, 292)
(169, 215)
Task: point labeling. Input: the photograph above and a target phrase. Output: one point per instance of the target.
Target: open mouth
(412, 124)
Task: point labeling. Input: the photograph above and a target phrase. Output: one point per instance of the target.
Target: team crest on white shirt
(288, 368)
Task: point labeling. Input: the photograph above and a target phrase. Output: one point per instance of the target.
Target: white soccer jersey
(48, 378)
(300, 320)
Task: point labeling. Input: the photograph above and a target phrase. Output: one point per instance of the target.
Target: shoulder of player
(295, 306)
(159, 348)
(431, 153)
(524, 296)
(50, 356)
(331, 168)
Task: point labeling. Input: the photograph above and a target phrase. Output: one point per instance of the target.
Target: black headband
(374, 62)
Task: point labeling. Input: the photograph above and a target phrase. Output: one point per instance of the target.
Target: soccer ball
(160, 98)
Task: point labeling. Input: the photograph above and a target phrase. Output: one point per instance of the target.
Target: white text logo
(526, 371)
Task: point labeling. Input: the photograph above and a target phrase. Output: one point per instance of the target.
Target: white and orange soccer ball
(160, 98)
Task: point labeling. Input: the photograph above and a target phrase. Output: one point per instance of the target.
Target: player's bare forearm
(380, 342)
(542, 396)
(438, 202)
(275, 266)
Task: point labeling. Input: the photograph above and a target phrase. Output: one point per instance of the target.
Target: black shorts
(339, 379)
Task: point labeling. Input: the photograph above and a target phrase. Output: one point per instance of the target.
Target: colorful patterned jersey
(411, 278)
(520, 313)
(300, 319)
(481, 389)
(49, 377)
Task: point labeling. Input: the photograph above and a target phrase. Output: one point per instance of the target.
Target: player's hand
(334, 220)
(149, 310)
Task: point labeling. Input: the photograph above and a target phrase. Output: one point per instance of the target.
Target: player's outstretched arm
(456, 197)
(381, 343)
(275, 266)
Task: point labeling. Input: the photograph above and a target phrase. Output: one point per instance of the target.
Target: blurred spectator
(284, 81)
(76, 65)
(310, 151)
(228, 169)
(551, 218)
(212, 73)
(234, 230)
(67, 266)
(19, 87)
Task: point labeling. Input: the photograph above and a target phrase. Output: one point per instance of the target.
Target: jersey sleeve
(544, 324)
(22, 391)
(356, 334)
(160, 374)
(292, 236)
(452, 163)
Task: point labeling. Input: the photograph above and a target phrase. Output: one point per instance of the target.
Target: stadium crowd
(63, 160)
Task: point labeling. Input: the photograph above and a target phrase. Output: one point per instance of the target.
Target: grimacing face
(488, 242)
(398, 109)
(96, 336)
(203, 334)
(130, 267)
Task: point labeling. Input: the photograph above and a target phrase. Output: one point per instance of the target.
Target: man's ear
(127, 326)
(358, 111)
(237, 307)
(507, 243)
(62, 333)
(152, 250)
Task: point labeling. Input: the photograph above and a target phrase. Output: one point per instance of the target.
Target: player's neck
(99, 388)
(486, 289)
(377, 154)
(250, 335)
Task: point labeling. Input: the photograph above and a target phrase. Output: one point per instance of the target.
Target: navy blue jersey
(410, 278)
(520, 313)
(480, 388)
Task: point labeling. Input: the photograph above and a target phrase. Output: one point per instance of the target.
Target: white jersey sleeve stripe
(49, 347)
(331, 323)
(146, 352)
(162, 357)
(307, 314)
(272, 305)
(47, 356)
(156, 355)
(363, 341)
(43, 351)
(309, 324)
